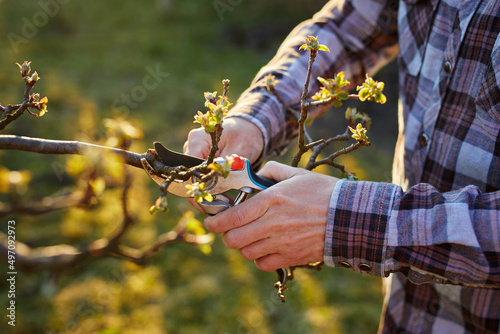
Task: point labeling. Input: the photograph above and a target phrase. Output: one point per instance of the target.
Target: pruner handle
(214, 207)
(218, 205)
(257, 183)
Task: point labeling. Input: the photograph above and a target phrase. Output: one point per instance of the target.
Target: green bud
(161, 204)
(25, 68)
(371, 90)
(313, 45)
(360, 134)
(35, 77)
(198, 192)
(332, 89)
(270, 81)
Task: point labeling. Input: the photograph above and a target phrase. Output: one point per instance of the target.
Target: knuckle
(276, 197)
(196, 137)
(263, 264)
(247, 253)
(209, 226)
(269, 166)
(231, 240)
(194, 133)
(272, 164)
(213, 225)
(238, 218)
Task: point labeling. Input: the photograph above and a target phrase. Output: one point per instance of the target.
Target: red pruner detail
(238, 162)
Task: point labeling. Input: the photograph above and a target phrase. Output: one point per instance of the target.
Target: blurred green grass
(90, 53)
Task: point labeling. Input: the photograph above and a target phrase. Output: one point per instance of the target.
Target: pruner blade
(171, 159)
(240, 178)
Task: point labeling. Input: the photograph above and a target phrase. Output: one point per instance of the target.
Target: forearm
(430, 237)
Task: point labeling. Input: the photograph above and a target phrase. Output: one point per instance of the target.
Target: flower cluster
(371, 90)
(161, 204)
(223, 168)
(313, 45)
(25, 68)
(332, 89)
(270, 81)
(34, 99)
(360, 134)
(39, 104)
(198, 192)
(217, 110)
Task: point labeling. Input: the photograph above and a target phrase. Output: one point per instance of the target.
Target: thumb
(198, 143)
(279, 172)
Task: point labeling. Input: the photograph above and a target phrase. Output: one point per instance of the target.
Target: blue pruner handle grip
(260, 181)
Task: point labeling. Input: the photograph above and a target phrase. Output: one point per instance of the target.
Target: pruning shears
(241, 178)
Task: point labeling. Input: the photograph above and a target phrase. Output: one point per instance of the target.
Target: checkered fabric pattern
(436, 230)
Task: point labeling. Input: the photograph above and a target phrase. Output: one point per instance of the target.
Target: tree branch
(330, 159)
(63, 257)
(321, 146)
(303, 112)
(295, 113)
(140, 257)
(46, 204)
(18, 109)
(46, 146)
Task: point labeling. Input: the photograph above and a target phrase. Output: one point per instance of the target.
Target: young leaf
(324, 48)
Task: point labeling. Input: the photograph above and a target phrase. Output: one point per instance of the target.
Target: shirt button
(424, 139)
(447, 67)
(345, 264)
(364, 267)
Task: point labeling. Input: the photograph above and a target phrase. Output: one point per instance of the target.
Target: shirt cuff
(357, 226)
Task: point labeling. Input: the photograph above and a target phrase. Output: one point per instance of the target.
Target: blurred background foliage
(89, 56)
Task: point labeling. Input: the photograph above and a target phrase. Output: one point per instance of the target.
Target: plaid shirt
(437, 228)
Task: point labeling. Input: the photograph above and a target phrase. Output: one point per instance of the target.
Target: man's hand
(281, 226)
(239, 137)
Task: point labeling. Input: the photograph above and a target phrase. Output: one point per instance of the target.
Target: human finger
(271, 262)
(198, 143)
(236, 216)
(279, 172)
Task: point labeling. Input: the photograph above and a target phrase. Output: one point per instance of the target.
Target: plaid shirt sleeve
(353, 49)
(443, 229)
(430, 237)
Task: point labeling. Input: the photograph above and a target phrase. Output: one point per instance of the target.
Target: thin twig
(215, 137)
(225, 82)
(322, 145)
(127, 220)
(19, 109)
(330, 159)
(295, 113)
(303, 112)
